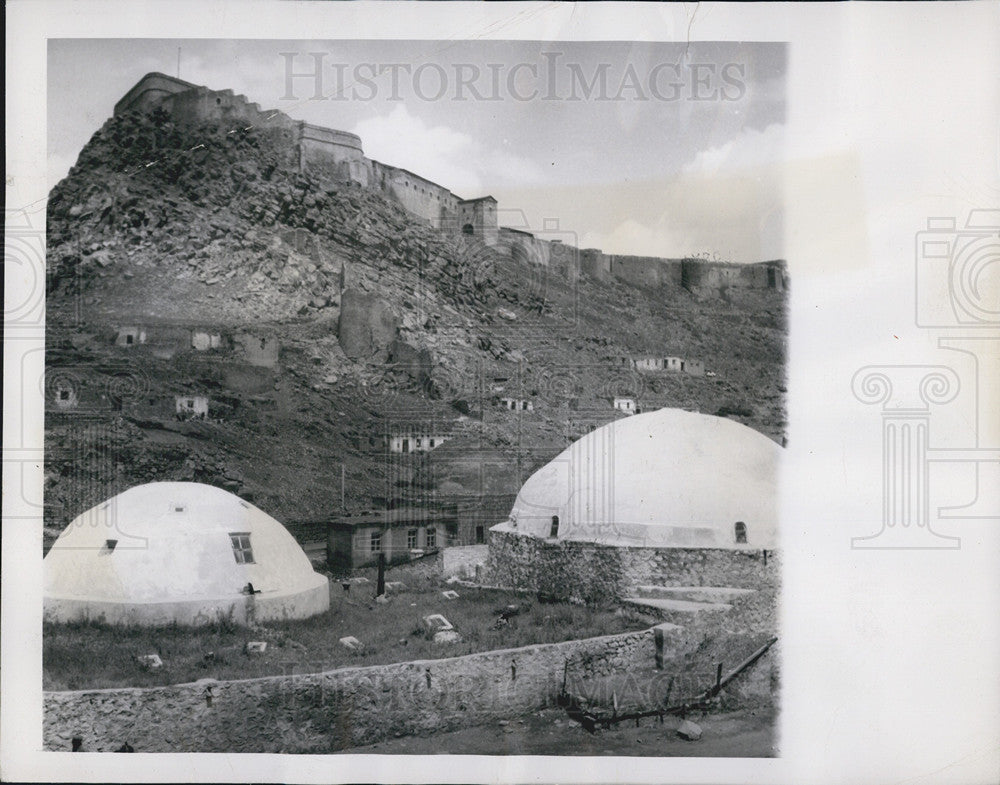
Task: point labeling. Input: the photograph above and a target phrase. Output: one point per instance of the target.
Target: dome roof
(669, 478)
(178, 542)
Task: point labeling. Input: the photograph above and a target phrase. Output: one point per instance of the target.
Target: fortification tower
(478, 217)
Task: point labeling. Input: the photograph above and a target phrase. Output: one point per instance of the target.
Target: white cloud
(448, 157)
(749, 148)
(736, 218)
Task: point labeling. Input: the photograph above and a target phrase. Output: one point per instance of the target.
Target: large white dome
(179, 551)
(669, 478)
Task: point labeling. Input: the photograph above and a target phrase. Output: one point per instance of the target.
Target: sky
(664, 149)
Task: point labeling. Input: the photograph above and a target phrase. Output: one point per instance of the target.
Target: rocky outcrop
(368, 325)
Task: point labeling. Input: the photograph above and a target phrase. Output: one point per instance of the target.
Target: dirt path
(742, 734)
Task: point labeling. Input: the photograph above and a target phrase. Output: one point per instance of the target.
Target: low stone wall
(329, 711)
(592, 572)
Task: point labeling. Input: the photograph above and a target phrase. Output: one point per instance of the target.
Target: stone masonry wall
(338, 156)
(328, 711)
(595, 573)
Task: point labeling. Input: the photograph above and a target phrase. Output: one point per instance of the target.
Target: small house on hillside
(624, 404)
(401, 534)
(203, 340)
(407, 441)
(516, 404)
(258, 350)
(694, 367)
(649, 363)
(130, 335)
(191, 406)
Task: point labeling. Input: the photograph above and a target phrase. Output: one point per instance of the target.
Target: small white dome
(669, 478)
(179, 551)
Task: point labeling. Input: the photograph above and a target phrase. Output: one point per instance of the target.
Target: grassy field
(90, 655)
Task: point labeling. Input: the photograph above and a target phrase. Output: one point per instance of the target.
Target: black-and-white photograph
(414, 397)
(510, 392)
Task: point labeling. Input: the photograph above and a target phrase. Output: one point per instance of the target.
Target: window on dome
(554, 530)
(241, 547)
(109, 546)
(741, 533)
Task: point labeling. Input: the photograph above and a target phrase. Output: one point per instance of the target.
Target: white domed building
(670, 497)
(179, 552)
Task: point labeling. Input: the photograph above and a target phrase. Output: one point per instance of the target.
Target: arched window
(467, 229)
(554, 531)
(741, 533)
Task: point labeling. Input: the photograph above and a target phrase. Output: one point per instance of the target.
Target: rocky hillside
(384, 323)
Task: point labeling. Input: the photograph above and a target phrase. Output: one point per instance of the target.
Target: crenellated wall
(699, 275)
(338, 156)
(420, 196)
(645, 271)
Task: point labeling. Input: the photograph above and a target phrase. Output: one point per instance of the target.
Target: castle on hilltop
(338, 156)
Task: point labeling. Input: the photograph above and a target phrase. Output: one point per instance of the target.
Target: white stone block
(151, 661)
(447, 636)
(352, 643)
(688, 730)
(436, 622)
(256, 647)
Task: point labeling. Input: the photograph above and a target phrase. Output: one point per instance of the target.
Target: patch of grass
(94, 655)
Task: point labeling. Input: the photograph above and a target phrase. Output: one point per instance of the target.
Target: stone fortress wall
(338, 156)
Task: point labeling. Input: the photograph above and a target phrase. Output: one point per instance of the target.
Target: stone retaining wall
(333, 710)
(564, 569)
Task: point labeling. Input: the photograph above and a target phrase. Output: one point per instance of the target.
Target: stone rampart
(338, 156)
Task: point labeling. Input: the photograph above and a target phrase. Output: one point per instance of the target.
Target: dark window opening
(480, 535)
(241, 547)
(406, 445)
(64, 395)
(554, 530)
(129, 339)
(109, 545)
(375, 543)
(467, 229)
(741, 532)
